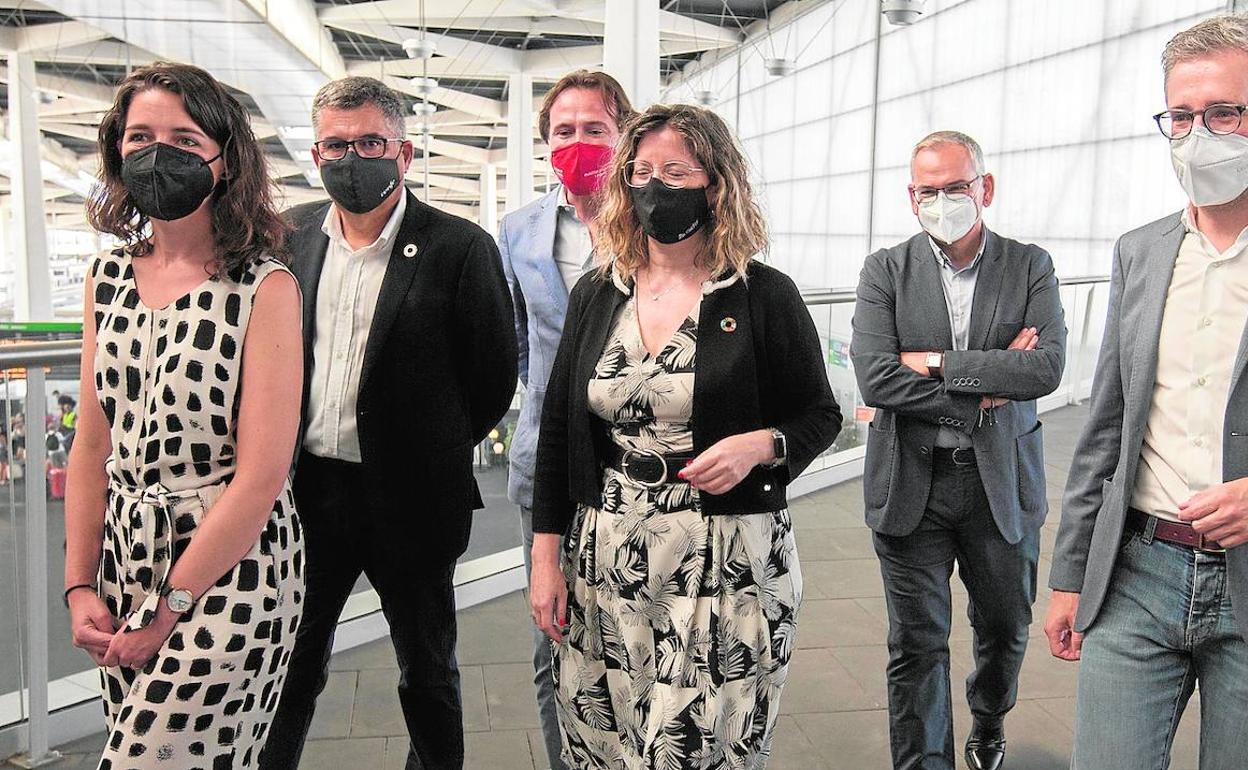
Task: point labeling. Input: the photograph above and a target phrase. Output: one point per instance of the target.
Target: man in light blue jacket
(546, 247)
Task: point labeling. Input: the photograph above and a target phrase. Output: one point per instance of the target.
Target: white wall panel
(1059, 93)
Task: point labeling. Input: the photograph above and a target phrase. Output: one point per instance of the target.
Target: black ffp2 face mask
(667, 215)
(358, 184)
(166, 182)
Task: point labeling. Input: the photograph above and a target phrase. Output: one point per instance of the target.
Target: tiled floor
(834, 707)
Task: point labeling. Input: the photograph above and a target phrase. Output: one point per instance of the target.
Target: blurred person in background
(184, 555)
(688, 390)
(546, 247)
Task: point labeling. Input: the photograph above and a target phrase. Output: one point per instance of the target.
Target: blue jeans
(1166, 626)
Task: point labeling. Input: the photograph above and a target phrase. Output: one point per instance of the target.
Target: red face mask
(581, 166)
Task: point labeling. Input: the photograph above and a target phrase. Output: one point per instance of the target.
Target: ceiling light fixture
(778, 67)
(902, 13)
(417, 48)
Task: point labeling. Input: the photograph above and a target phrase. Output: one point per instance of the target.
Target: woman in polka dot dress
(184, 561)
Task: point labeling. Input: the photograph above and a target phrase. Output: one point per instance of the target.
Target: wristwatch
(780, 447)
(178, 600)
(935, 363)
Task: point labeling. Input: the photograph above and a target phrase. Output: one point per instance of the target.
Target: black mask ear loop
(218, 189)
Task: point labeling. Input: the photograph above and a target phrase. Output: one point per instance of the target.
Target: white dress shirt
(1206, 307)
(958, 285)
(573, 247)
(346, 298)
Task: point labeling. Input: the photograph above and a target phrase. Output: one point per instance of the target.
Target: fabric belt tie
(1171, 532)
(159, 547)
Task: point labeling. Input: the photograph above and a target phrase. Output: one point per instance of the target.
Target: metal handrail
(49, 353)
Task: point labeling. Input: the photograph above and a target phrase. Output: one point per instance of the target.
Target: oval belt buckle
(628, 474)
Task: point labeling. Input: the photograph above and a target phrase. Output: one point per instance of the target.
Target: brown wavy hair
(737, 228)
(245, 222)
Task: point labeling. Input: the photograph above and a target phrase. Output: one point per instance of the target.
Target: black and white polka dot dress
(168, 380)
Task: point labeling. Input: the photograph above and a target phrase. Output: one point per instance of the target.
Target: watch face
(179, 600)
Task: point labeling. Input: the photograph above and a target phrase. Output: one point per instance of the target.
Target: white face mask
(1213, 169)
(948, 218)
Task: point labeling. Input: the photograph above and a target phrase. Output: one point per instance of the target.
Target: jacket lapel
(400, 270)
(308, 245)
(1158, 265)
(930, 299)
(543, 225)
(987, 291)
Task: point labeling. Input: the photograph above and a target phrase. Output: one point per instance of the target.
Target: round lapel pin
(409, 250)
(729, 324)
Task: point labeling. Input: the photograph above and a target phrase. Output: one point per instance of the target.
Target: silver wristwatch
(780, 447)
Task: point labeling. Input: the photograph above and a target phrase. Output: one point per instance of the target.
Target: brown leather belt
(647, 468)
(1171, 532)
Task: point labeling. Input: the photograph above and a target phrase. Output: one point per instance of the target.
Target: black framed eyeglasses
(1220, 119)
(928, 194)
(365, 147)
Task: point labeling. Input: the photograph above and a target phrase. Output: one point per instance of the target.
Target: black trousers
(1000, 580)
(418, 600)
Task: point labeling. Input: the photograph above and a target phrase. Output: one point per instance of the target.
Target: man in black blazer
(957, 332)
(410, 360)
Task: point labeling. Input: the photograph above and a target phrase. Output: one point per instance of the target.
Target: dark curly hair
(245, 222)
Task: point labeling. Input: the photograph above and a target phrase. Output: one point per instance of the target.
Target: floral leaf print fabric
(681, 626)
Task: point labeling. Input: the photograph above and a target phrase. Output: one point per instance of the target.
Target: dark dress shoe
(985, 748)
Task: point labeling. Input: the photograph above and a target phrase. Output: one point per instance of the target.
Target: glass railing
(45, 681)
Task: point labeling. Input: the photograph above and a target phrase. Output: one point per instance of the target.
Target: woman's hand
(720, 468)
(134, 648)
(91, 624)
(548, 590)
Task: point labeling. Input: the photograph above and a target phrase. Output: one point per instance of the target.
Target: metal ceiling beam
(448, 97)
(389, 11)
(105, 52)
(45, 38)
(670, 24)
(87, 91)
(85, 133)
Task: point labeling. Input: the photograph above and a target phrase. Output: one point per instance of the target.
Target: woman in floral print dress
(688, 390)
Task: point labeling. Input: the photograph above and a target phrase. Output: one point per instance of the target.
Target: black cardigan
(767, 372)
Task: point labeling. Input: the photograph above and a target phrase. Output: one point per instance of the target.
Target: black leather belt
(962, 457)
(646, 467)
(1171, 532)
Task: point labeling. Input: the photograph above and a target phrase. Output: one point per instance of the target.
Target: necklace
(675, 285)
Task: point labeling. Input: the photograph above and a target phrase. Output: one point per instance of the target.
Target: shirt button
(339, 355)
(1202, 381)
(1206, 321)
(1198, 441)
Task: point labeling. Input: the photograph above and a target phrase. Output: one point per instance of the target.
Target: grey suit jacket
(526, 242)
(901, 307)
(1102, 476)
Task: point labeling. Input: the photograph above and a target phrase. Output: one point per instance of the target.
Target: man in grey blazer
(957, 332)
(546, 246)
(1150, 571)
